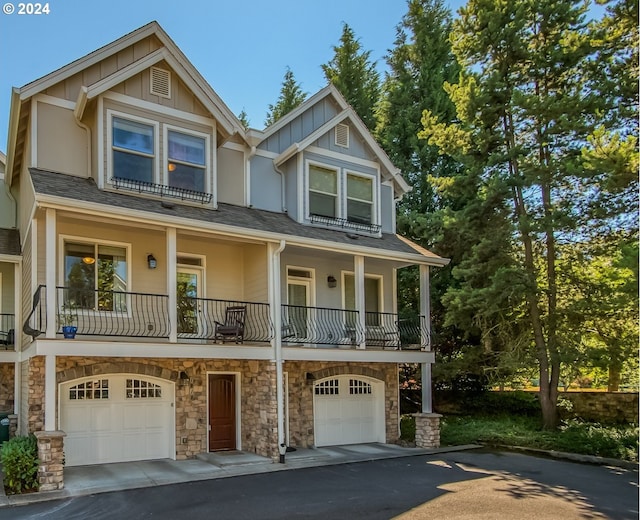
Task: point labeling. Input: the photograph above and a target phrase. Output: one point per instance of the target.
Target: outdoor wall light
(310, 378)
(331, 281)
(183, 378)
(151, 260)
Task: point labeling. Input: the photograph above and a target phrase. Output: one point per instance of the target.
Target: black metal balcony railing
(198, 318)
(344, 223)
(161, 190)
(7, 331)
(113, 313)
(36, 322)
(320, 326)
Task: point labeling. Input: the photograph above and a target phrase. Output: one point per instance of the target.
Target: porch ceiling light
(151, 260)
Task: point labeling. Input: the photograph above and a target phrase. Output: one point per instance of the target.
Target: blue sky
(241, 47)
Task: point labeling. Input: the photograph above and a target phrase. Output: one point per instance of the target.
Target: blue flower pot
(69, 331)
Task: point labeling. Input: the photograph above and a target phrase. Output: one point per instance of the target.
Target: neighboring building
(231, 289)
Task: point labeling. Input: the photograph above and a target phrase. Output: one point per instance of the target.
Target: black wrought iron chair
(8, 338)
(233, 326)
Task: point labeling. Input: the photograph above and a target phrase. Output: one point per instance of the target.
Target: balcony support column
(425, 310)
(358, 276)
(50, 273)
(172, 283)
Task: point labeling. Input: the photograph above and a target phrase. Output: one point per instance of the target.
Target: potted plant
(68, 319)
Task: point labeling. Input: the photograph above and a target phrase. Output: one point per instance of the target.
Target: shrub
(20, 464)
(408, 428)
(501, 403)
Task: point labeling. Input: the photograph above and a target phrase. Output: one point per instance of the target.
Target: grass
(618, 442)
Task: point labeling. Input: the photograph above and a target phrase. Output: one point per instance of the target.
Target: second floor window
(186, 161)
(359, 199)
(133, 150)
(95, 276)
(323, 191)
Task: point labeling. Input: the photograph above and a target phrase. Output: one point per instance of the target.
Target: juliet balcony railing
(161, 190)
(200, 318)
(7, 331)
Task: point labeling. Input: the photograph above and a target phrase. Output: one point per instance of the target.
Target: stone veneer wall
(607, 407)
(256, 383)
(7, 386)
(301, 395)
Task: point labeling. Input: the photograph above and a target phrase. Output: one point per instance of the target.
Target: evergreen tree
(291, 96)
(525, 110)
(244, 119)
(355, 76)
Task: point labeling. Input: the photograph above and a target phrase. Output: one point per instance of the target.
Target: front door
(222, 412)
(298, 299)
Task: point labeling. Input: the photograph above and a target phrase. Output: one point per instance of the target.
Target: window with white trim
(372, 297)
(359, 199)
(133, 146)
(323, 191)
(95, 276)
(186, 161)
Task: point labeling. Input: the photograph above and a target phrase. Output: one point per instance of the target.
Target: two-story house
(230, 289)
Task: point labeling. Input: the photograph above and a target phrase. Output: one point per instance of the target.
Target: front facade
(229, 288)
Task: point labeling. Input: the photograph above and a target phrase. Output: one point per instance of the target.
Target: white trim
(347, 158)
(50, 272)
(148, 106)
(266, 154)
(100, 137)
(33, 124)
(234, 146)
(55, 101)
(172, 282)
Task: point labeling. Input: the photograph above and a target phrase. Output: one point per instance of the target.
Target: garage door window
(141, 389)
(97, 389)
(329, 387)
(357, 387)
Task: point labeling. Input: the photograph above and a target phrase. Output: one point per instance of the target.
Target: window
(371, 297)
(358, 387)
(95, 276)
(97, 389)
(323, 191)
(359, 199)
(329, 387)
(141, 389)
(186, 161)
(133, 150)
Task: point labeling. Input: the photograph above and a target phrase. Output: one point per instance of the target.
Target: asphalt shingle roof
(85, 189)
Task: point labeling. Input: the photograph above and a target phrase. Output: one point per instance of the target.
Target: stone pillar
(13, 425)
(427, 430)
(51, 456)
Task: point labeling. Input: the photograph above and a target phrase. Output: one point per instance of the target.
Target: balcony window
(323, 192)
(359, 199)
(133, 150)
(186, 161)
(372, 296)
(95, 276)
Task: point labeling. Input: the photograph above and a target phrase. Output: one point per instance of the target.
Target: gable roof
(228, 123)
(347, 113)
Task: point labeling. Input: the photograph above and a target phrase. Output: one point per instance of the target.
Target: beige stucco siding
(62, 145)
(231, 188)
(255, 274)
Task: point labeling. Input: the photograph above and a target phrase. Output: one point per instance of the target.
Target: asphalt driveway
(470, 485)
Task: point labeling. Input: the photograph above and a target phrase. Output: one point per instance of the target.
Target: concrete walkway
(89, 480)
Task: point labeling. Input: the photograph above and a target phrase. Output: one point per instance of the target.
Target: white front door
(117, 418)
(348, 409)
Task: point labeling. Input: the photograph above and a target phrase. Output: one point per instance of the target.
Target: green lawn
(618, 442)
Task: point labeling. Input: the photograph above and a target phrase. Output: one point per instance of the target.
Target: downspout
(247, 196)
(277, 338)
(282, 187)
(78, 112)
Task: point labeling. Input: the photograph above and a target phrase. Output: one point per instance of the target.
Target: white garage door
(348, 409)
(117, 418)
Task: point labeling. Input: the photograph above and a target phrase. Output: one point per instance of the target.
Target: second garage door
(348, 409)
(117, 418)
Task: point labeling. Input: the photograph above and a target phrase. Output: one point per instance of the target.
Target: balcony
(7, 331)
(141, 315)
(341, 328)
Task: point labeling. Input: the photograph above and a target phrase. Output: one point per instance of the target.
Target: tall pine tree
(291, 96)
(355, 76)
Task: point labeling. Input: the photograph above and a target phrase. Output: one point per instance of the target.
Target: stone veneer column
(13, 425)
(427, 430)
(51, 455)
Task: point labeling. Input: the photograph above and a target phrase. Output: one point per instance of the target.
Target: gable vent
(342, 135)
(160, 82)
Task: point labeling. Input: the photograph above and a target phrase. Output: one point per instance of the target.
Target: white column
(50, 272)
(172, 283)
(425, 310)
(275, 300)
(49, 393)
(358, 281)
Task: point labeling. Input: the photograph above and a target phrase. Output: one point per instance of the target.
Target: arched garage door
(117, 418)
(348, 409)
